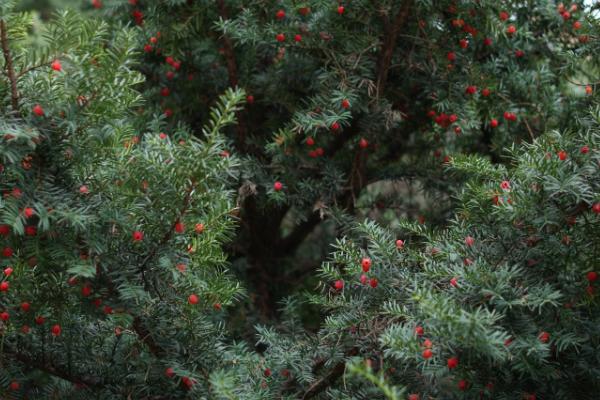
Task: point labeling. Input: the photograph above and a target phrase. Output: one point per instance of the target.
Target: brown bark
(8, 64)
(390, 35)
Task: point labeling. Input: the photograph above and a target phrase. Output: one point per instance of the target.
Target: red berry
(310, 141)
(148, 48)
(494, 123)
(199, 228)
(453, 118)
(505, 185)
(511, 29)
(56, 65)
(463, 43)
(280, 14)
(7, 252)
(399, 244)
(503, 15)
(297, 38)
(562, 155)
(588, 90)
(454, 282)
(56, 330)
(169, 372)
(340, 10)
(363, 143)
(277, 186)
(304, 11)
(96, 4)
(4, 316)
(187, 382)
(373, 282)
(335, 126)
(592, 276)
(487, 41)
(419, 330)
(39, 320)
(339, 284)
(179, 227)
(86, 290)
(14, 385)
(544, 337)
(138, 236)
(363, 279)
(427, 343)
(28, 212)
(25, 329)
(584, 150)
(451, 56)
(164, 92)
(250, 99)
(469, 241)
(471, 89)
(485, 92)
(193, 299)
(267, 372)
(153, 40)
(83, 189)
(519, 53)
(170, 75)
(4, 286)
(566, 15)
(25, 306)
(366, 264)
(8, 271)
(413, 396)
(38, 110)
(576, 25)
(345, 103)
(463, 385)
(4, 230)
(452, 362)
(280, 37)
(596, 208)
(427, 354)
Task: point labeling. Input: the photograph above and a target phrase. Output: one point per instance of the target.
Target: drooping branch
(54, 370)
(8, 64)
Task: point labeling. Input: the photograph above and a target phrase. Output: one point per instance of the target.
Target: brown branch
(232, 73)
(10, 71)
(167, 236)
(59, 372)
(294, 239)
(390, 32)
(144, 334)
(32, 68)
(331, 377)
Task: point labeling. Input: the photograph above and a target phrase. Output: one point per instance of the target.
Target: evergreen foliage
(300, 199)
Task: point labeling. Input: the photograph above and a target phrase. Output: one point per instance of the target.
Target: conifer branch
(10, 71)
(52, 369)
